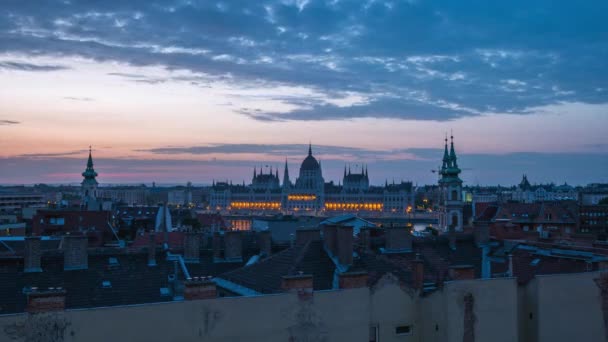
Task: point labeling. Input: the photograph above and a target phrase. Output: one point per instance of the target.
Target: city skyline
(185, 91)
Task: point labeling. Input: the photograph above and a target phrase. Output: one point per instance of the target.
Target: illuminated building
(310, 194)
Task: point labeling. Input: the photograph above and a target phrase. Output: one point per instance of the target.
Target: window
(403, 330)
(373, 333)
(106, 284)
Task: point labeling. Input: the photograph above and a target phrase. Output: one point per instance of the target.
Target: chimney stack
(297, 283)
(418, 272)
(482, 234)
(365, 239)
(31, 258)
(398, 239)
(265, 242)
(352, 280)
(151, 249)
(192, 247)
(303, 236)
(461, 272)
(199, 288)
(39, 301)
(75, 255)
(329, 236)
(234, 246)
(345, 245)
(217, 246)
(452, 237)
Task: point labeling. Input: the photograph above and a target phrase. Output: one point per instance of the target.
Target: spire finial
(310, 148)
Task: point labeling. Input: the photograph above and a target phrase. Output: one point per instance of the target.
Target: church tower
(451, 190)
(89, 186)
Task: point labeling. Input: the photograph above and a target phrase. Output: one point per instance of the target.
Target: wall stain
(602, 284)
(468, 334)
(39, 327)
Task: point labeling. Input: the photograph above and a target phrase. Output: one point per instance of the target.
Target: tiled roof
(131, 281)
(265, 276)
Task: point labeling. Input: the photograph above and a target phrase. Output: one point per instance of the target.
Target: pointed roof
(89, 173)
(453, 153)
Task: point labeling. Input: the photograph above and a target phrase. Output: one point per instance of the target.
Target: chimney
(151, 249)
(345, 245)
(353, 280)
(418, 272)
(199, 288)
(297, 283)
(265, 242)
(303, 236)
(461, 272)
(329, 236)
(398, 239)
(482, 235)
(234, 246)
(75, 256)
(365, 238)
(31, 258)
(452, 238)
(39, 301)
(192, 247)
(217, 246)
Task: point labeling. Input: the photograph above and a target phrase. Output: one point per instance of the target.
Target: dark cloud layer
(503, 169)
(9, 122)
(8, 65)
(433, 60)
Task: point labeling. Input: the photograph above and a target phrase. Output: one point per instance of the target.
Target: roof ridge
(299, 257)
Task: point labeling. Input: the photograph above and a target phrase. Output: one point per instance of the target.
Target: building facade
(310, 194)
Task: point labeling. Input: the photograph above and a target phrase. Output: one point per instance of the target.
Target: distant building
(593, 213)
(528, 193)
(310, 194)
(180, 196)
(130, 195)
(12, 201)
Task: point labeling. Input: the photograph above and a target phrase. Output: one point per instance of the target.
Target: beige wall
(569, 308)
(564, 308)
(494, 308)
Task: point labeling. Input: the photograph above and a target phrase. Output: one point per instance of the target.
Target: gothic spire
(453, 153)
(446, 156)
(286, 181)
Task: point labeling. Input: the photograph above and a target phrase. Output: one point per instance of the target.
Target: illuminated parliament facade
(310, 194)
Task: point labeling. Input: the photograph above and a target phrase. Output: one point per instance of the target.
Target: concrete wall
(569, 308)
(563, 307)
(492, 315)
(326, 316)
(392, 306)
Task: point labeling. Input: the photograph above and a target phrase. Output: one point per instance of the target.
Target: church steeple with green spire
(89, 174)
(89, 184)
(451, 216)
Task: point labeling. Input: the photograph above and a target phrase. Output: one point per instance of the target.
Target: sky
(177, 91)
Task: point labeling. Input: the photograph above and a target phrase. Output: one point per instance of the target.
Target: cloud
(8, 122)
(20, 66)
(463, 61)
(76, 98)
(52, 155)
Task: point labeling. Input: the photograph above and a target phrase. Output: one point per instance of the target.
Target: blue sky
(223, 86)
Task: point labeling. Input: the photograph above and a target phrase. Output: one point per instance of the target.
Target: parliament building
(311, 195)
